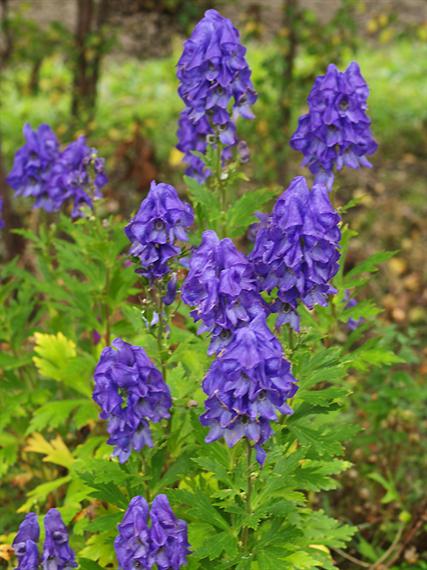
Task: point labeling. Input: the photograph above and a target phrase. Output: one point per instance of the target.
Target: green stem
(160, 336)
(107, 312)
(245, 533)
(291, 338)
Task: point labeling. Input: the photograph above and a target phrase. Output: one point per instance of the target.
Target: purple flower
(215, 86)
(79, 175)
(296, 250)
(336, 130)
(222, 286)
(52, 177)
(247, 386)
(163, 545)
(57, 554)
(31, 175)
(168, 536)
(131, 393)
(192, 136)
(132, 545)
(25, 543)
(160, 222)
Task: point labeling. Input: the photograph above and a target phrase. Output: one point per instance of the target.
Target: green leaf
(242, 212)
(200, 507)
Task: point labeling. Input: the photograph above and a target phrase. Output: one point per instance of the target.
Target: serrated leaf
(41, 492)
(242, 211)
(54, 451)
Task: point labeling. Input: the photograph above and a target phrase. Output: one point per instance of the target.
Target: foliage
(74, 291)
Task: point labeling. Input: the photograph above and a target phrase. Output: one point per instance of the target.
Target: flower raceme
(131, 393)
(222, 286)
(296, 250)
(248, 386)
(215, 86)
(336, 131)
(74, 179)
(41, 171)
(163, 544)
(31, 175)
(25, 543)
(159, 224)
(57, 554)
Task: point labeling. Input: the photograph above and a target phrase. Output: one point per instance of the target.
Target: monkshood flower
(169, 545)
(132, 544)
(192, 136)
(57, 553)
(222, 286)
(215, 86)
(31, 174)
(79, 175)
(248, 386)
(162, 545)
(131, 393)
(336, 130)
(160, 222)
(25, 543)
(296, 250)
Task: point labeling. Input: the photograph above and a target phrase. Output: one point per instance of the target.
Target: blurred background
(106, 69)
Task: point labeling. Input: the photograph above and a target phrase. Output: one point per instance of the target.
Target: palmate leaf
(52, 352)
(242, 211)
(54, 451)
(54, 414)
(40, 493)
(57, 359)
(200, 507)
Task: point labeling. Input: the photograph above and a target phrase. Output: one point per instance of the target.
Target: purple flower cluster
(32, 172)
(296, 249)
(41, 171)
(25, 543)
(160, 222)
(336, 130)
(74, 179)
(163, 545)
(222, 286)
(57, 554)
(248, 385)
(131, 393)
(216, 87)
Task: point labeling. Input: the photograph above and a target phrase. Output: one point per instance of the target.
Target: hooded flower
(131, 393)
(79, 175)
(222, 287)
(215, 86)
(248, 386)
(296, 250)
(168, 537)
(162, 545)
(31, 175)
(336, 131)
(25, 543)
(160, 222)
(132, 545)
(52, 177)
(57, 554)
